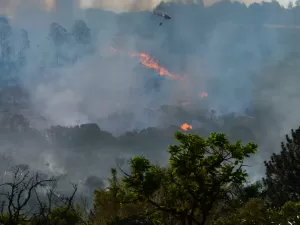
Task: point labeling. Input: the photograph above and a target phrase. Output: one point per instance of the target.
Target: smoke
(221, 50)
(128, 5)
(145, 5)
(10, 7)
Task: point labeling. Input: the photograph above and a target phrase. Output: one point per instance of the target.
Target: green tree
(108, 208)
(283, 172)
(61, 215)
(256, 212)
(65, 216)
(253, 212)
(198, 177)
(244, 193)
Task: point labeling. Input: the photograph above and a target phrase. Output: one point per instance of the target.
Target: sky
(150, 4)
(8, 7)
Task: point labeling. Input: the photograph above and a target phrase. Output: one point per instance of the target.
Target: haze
(243, 58)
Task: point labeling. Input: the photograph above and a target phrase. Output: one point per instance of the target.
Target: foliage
(283, 172)
(249, 191)
(64, 216)
(198, 177)
(81, 32)
(59, 216)
(109, 209)
(256, 212)
(204, 183)
(200, 181)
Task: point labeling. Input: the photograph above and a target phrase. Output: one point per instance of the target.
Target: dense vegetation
(204, 183)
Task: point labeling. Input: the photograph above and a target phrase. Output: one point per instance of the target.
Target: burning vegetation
(186, 127)
(149, 62)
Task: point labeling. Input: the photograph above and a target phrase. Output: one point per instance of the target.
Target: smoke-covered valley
(78, 92)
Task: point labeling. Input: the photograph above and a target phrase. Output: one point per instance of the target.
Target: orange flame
(186, 127)
(149, 62)
(203, 95)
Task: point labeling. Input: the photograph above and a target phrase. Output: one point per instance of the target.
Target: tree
(25, 44)
(283, 172)
(238, 196)
(198, 177)
(58, 34)
(62, 216)
(16, 194)
(31, 198)
(255, 211)
(244, 193)
(297, 3)
(5, 34)
(290, 5)
(108, 208)
(56, 209)
(81, 32)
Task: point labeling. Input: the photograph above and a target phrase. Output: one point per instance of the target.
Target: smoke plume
(127, 73)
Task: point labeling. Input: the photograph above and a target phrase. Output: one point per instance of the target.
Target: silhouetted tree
(56, 209)
(5, 33)
(283, 172)
(25, 44)
(17, 193)
(81, 32)
(58, 34)
(15, 122)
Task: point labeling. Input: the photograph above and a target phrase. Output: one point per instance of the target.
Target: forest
(135, 165)
(205, 182)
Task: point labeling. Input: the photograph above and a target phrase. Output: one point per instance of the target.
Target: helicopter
(164, 15)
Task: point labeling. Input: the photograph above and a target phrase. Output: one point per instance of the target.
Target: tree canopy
(197, 179)
(283, 172)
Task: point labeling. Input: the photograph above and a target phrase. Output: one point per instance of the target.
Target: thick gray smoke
(225, 51)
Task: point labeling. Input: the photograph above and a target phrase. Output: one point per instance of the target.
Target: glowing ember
(203, 95)
(186, 127)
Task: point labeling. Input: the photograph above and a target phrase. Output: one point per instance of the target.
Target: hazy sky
(8, 7)
(145, 4)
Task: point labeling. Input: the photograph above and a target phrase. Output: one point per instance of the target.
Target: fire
(203, 95)
(149, 62)
(186, 127)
